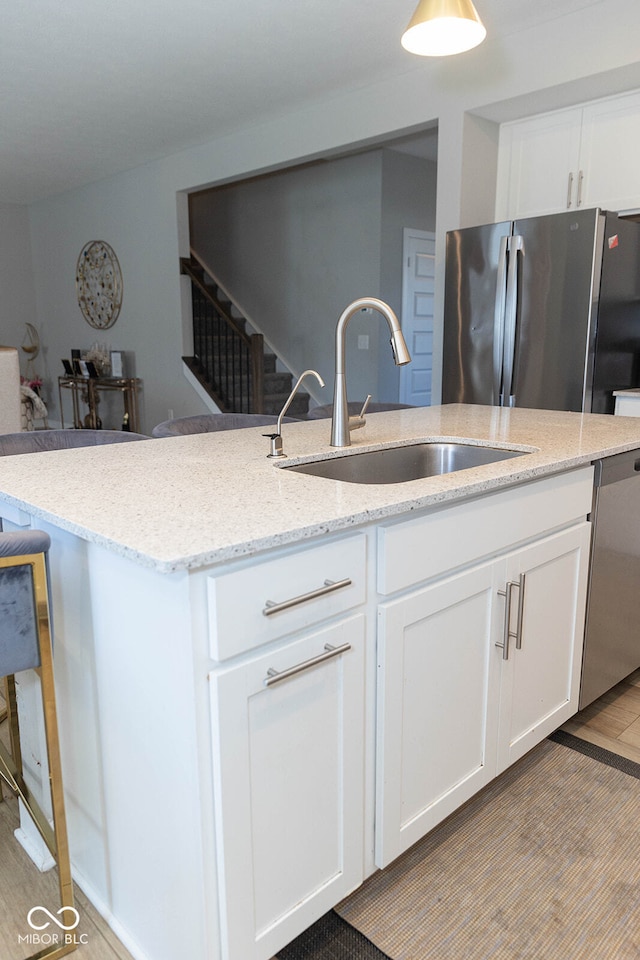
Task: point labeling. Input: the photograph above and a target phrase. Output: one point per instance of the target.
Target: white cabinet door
(568, 159)
(437, 706)
(288, 786)
(609, 153)
(453, 712)
(541, 676)
(539, 165)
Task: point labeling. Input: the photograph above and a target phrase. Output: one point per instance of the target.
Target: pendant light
(440, 28)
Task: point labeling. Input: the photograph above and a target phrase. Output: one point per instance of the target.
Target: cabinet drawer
(267, 600)
(415, 550)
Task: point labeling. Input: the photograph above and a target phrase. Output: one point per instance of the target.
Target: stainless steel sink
(399, 464)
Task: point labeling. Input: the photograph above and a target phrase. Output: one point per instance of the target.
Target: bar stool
(213, 422)
(25, 642)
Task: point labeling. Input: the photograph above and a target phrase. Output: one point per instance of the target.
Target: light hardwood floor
(22, 887)
(612, 722)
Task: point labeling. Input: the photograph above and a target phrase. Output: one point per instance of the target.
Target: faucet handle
(365, 405)
(355, 423)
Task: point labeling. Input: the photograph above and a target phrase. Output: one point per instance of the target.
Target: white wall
(17, 299)
(135, 212)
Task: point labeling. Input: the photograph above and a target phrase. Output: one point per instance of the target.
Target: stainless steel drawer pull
(275, 676)
(271, 606)
(506, 632)
(520, 616)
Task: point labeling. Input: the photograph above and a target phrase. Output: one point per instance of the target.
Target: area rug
(544, 864)
(331, 939)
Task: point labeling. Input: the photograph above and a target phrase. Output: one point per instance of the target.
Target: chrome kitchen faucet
(342, 424)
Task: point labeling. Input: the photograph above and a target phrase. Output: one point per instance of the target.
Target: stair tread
(276, 383)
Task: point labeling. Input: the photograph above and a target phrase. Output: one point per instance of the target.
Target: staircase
(230, 362)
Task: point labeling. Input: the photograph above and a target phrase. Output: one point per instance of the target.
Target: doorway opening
(293, 247)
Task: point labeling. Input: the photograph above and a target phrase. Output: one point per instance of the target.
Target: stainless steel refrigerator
(543, 312)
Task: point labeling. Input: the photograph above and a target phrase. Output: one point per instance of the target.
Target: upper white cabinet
(567, 159)
(538, 164)
(609, 153)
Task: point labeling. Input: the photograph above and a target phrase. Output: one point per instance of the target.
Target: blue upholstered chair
(37, 441)
(25, 642)
(326, 410)
(210, 422)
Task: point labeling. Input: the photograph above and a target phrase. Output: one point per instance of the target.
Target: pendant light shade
(440, 28)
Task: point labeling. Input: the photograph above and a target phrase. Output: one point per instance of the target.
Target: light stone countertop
(187, 502)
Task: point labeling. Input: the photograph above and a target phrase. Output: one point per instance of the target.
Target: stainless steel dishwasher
(612, 634)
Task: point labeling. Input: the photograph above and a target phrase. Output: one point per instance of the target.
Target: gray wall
(294, 248)
(408, 200)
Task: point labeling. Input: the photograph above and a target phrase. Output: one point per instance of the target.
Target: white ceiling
(89, 90)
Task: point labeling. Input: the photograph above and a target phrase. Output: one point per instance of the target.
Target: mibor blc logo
(43, 926)
(53, 928)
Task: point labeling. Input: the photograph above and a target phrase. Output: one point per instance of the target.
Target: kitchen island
(233, 642)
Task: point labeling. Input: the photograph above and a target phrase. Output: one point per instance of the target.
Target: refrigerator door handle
(498, 322)
(516, 247)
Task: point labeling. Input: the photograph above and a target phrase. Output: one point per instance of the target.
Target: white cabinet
(288, 781)
(301, 683)
(567, 159)
(437, 710)
(538, 165)
(288, 737)
(540, 677)
(608, 153)
(252, 604)
(455, 705)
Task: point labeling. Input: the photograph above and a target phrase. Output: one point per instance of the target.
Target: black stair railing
(227, 360)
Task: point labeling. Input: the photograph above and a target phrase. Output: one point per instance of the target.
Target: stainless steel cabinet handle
(271, 606)
(506, 632)
(580, 179)
(520, 616)
(275, 676)
(569, 191)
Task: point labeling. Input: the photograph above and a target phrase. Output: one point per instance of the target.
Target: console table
(87, 391)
